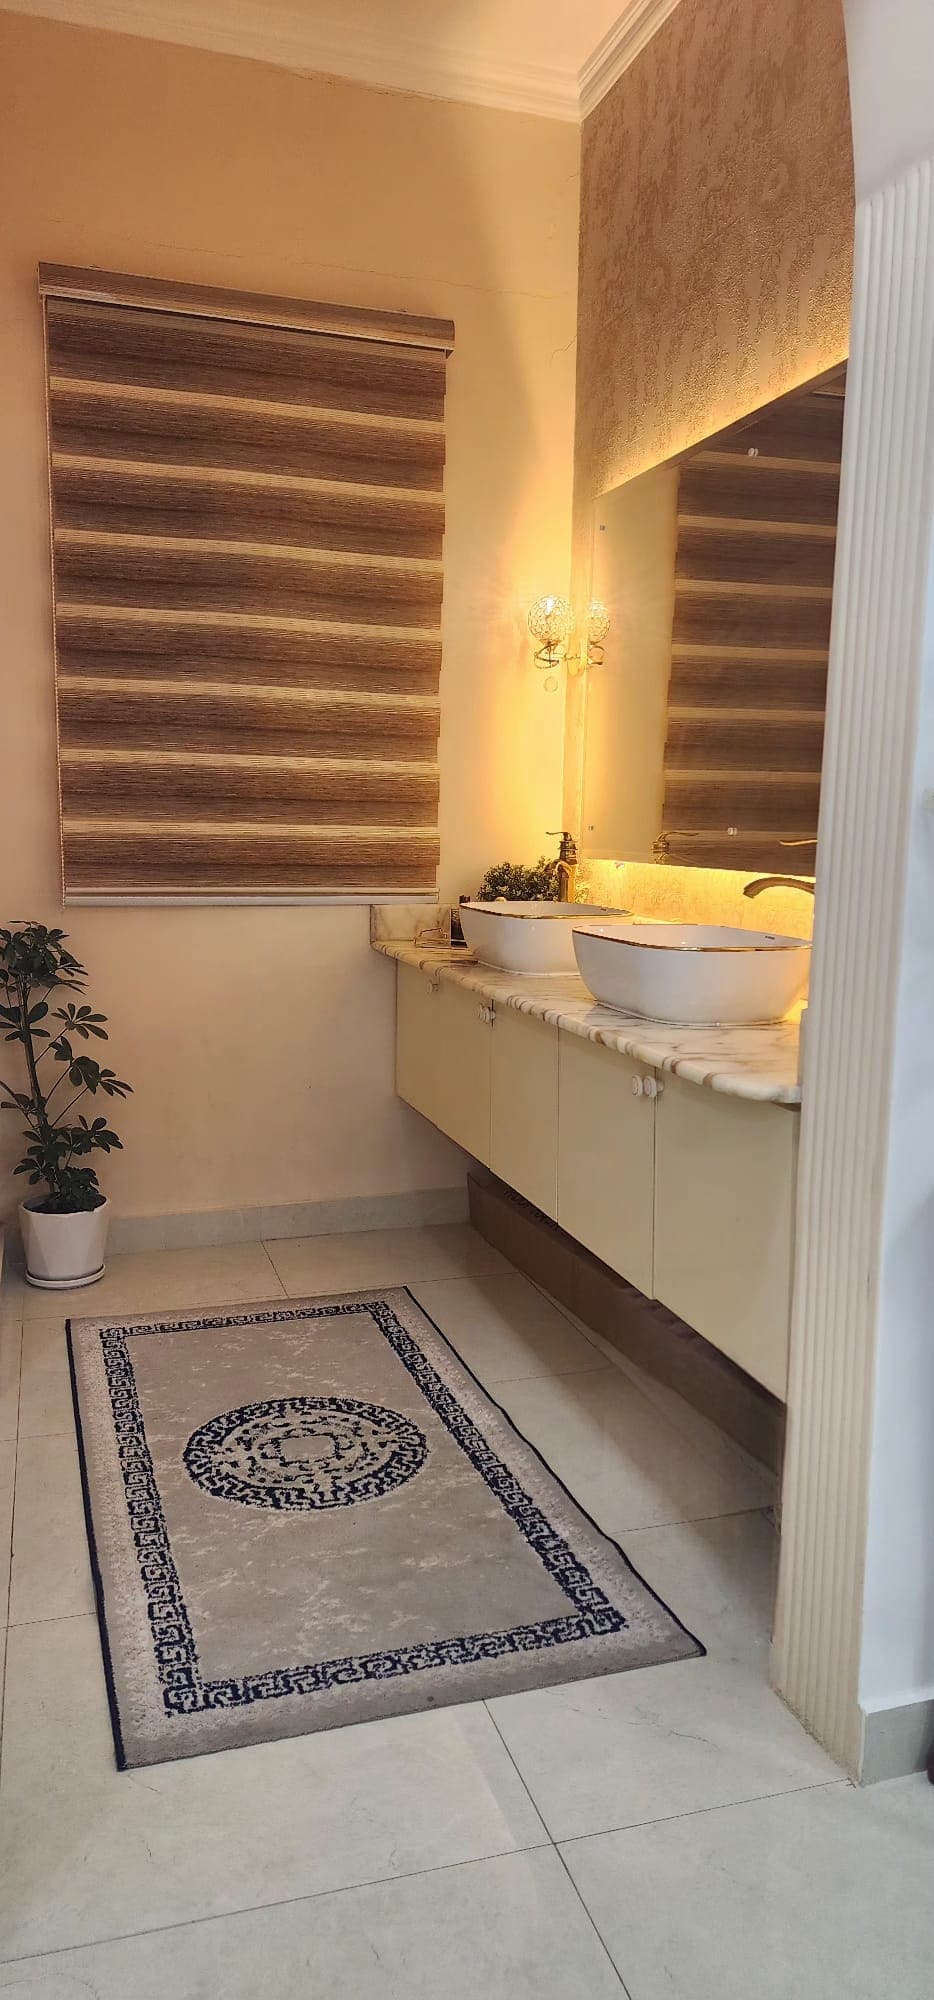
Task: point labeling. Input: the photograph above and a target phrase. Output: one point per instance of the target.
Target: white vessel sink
(525, 937)
(695, 975)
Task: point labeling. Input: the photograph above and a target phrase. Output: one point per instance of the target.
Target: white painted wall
(260, 1041)
(891, 56)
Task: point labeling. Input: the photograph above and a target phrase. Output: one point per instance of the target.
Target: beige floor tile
(720, 1577)
(45, 1405)
(7, 1472)
(823, 1895)
(51, 1576)
(622, 1459)
(10, 1343)
(143, 1281)
(87, 1852)
(651, 1744)
(309, 1264)
(508, 1929)
(503, 1327)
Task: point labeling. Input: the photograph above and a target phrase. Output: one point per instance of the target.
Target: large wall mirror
(705, 721)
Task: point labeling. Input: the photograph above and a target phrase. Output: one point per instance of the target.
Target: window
(247, 520)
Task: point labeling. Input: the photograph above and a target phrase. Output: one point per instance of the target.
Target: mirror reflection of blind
(247, 517)
(756, 531)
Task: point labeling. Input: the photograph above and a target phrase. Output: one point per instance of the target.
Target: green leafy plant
(34, 965)
(518, 884)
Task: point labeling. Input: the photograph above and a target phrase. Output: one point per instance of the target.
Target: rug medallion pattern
(305, 1452)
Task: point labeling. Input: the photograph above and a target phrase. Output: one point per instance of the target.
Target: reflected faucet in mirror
(565, 866)
(777, 882)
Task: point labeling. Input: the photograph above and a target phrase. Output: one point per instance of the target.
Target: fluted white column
(871, 793)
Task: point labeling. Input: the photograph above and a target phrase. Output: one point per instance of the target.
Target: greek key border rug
(310, 1513)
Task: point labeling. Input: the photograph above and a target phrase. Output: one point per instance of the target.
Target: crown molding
(638, 22)
(383, 61)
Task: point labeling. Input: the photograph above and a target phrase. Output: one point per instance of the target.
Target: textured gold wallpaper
(716, 242)
(716, 229)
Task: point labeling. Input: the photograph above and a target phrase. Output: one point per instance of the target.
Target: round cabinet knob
(637, 1086)
(650, 1087)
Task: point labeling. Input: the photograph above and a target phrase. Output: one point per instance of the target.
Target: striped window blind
(247, 519)
(756, 535)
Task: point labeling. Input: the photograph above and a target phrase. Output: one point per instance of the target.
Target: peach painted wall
(717, 213)
(260, 1041)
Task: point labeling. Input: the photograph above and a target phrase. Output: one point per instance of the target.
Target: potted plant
(65, 1227)
(511, 882)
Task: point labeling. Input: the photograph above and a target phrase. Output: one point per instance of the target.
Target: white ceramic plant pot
(64, 1250)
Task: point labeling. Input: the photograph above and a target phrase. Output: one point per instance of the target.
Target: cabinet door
(724, 1222)
(524, 1131)
(606, 1155)
(419, 1055)
(443, 1057)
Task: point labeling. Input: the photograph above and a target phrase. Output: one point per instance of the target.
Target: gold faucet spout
(566, 866)
(777, 882)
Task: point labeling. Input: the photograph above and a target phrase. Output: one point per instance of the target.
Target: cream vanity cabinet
(487, 1075)
(606, 1156)
(443, 1057)
(685, 1191)
(724, 1222)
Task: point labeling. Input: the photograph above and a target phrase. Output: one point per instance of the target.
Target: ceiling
(552, 57)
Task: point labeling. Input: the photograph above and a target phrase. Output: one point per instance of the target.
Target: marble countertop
(760, 1063)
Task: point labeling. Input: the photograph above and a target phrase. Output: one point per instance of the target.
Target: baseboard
(646, 1332)
(896, 1741)
(421, 1208)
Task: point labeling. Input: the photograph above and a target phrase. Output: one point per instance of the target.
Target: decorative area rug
(310, 1513)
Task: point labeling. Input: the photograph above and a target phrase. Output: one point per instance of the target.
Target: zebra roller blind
(247, 519)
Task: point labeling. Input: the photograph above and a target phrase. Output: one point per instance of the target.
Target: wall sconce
(590, 651)
(551, 621)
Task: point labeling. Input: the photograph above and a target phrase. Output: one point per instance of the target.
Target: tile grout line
(638, 1377)
(56, 1618)
(267, 1253)
(592, 1921)
(553, 1843)
(279, 1903)
(698, 1812)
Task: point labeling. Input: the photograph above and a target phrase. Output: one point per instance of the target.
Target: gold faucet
(777, 882)
(566, 866)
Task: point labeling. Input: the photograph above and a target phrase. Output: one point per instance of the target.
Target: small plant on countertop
(34, 965)
(520, 885)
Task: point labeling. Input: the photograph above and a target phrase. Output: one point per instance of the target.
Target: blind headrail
(120, 288)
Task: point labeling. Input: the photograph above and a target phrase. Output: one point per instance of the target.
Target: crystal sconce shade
(598, 625)
(551, 621)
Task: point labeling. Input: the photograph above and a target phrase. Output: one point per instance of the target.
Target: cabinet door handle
(637, 1085)
(486, 1014)
(651, 1087)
